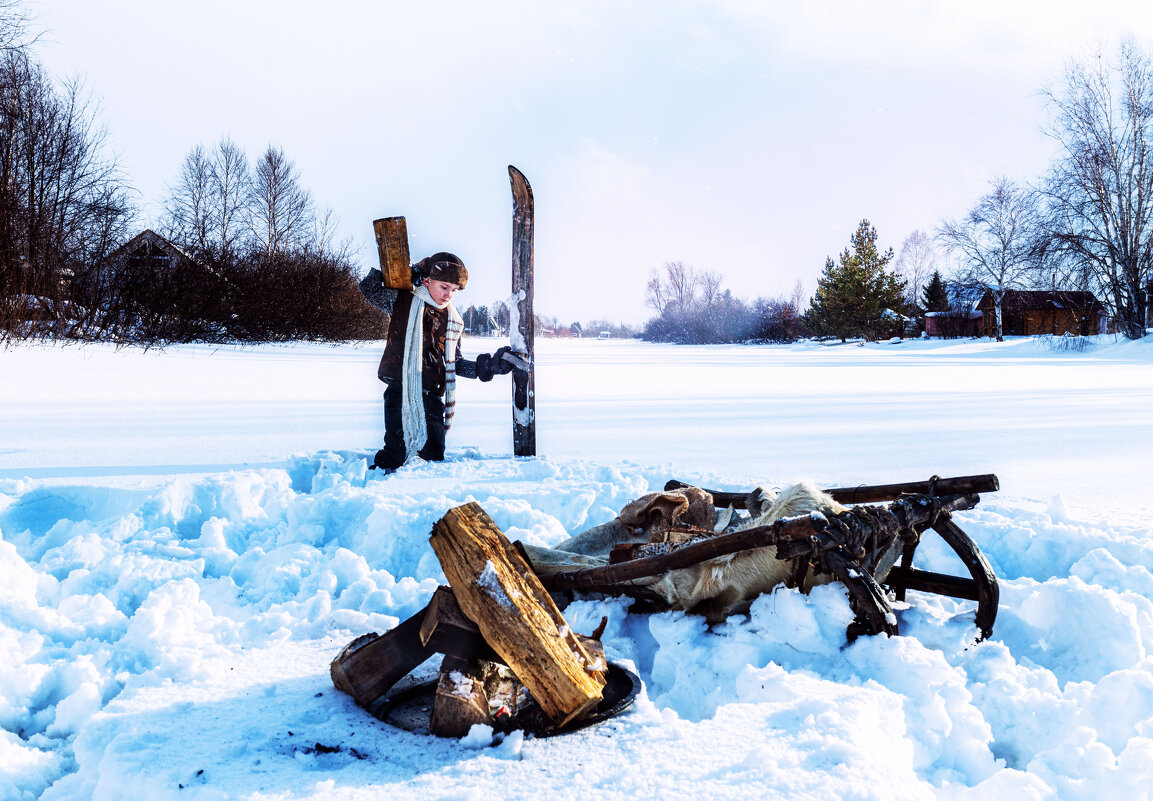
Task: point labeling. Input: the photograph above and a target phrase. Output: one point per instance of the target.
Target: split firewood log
(501, 594)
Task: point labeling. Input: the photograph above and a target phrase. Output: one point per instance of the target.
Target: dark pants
(393, 454)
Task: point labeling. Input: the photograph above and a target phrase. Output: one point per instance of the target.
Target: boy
(421, 361)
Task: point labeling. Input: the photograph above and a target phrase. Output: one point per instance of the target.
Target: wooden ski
(521, 326)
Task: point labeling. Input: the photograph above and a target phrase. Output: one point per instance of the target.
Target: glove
(484, 367)
(500, 365)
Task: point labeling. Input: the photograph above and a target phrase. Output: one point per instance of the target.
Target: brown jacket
(435, 327)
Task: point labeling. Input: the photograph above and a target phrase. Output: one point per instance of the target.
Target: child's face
(441, 291)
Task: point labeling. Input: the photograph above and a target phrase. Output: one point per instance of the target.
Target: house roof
(959, 314)
(1041, 300)
(148, 236)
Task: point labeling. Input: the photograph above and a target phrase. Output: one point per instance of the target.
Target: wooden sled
(511, 660)
(859, 547)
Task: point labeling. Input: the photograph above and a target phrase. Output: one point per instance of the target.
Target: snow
(189, 536)
(490, 582)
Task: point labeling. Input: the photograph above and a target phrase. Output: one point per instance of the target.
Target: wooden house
(149, 248)
(1032, 313)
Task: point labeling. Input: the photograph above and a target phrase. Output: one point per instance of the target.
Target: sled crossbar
(960, 485)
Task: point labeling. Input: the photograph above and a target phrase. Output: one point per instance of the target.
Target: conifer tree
(934, 296)
(853, 295)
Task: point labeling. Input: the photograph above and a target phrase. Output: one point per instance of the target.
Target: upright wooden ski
(521, 326)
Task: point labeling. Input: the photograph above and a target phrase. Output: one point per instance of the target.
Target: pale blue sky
(747, 138)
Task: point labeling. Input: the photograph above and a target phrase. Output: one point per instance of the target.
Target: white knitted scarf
(412, 382)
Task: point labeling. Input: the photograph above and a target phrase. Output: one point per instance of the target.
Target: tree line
(1086, 225)
(256, 259)
(64, 204)
(693, 307)
(251, 256)
(262, 264)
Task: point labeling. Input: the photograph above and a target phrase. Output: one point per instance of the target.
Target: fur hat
(441, 266)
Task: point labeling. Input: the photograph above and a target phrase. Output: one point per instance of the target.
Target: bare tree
(683, 283)
(500, 314)
(282, 210)
(798, 297)
(208, 208)
(916, 262)
(232, 186)
(995, 242)
(656, 293)
(677, 286)
(14, 22)
(1100, 192)
(710, 288)
(188, 205)
(63, 202)
(693, 306)
(324, 240)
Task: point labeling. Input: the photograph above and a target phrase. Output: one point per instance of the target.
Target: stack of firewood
(509, 655)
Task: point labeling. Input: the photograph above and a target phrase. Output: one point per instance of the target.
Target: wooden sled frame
(855, 546)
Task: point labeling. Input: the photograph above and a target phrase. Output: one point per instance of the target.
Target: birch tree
(282, 209)
(916, 262)
(1099, 193)
(995, 243)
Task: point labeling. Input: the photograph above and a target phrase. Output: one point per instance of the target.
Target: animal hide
(728, 584)
(715, 588)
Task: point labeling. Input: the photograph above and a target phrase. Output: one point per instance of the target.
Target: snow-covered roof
(971, 314)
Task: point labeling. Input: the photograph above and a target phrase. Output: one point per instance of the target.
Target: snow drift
(165, 630)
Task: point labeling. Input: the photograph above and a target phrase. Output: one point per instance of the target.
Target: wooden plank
(960, 485)
(498, 591)
(869, 601)
(392, 247)
(522, 331)
(368, 666)
(674, 557)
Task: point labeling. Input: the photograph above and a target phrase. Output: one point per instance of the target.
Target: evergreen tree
(934, 296)
(469, 317)
(835, 304)
(853, 295)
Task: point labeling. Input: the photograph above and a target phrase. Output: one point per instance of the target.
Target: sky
(743, 138)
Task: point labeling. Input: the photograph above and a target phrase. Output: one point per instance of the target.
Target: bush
(301, 296)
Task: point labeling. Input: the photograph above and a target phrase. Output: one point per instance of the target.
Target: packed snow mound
(177, 638)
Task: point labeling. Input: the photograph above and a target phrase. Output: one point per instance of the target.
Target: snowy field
(189, 536)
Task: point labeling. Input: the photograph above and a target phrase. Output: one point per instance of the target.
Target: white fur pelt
(726, 585)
